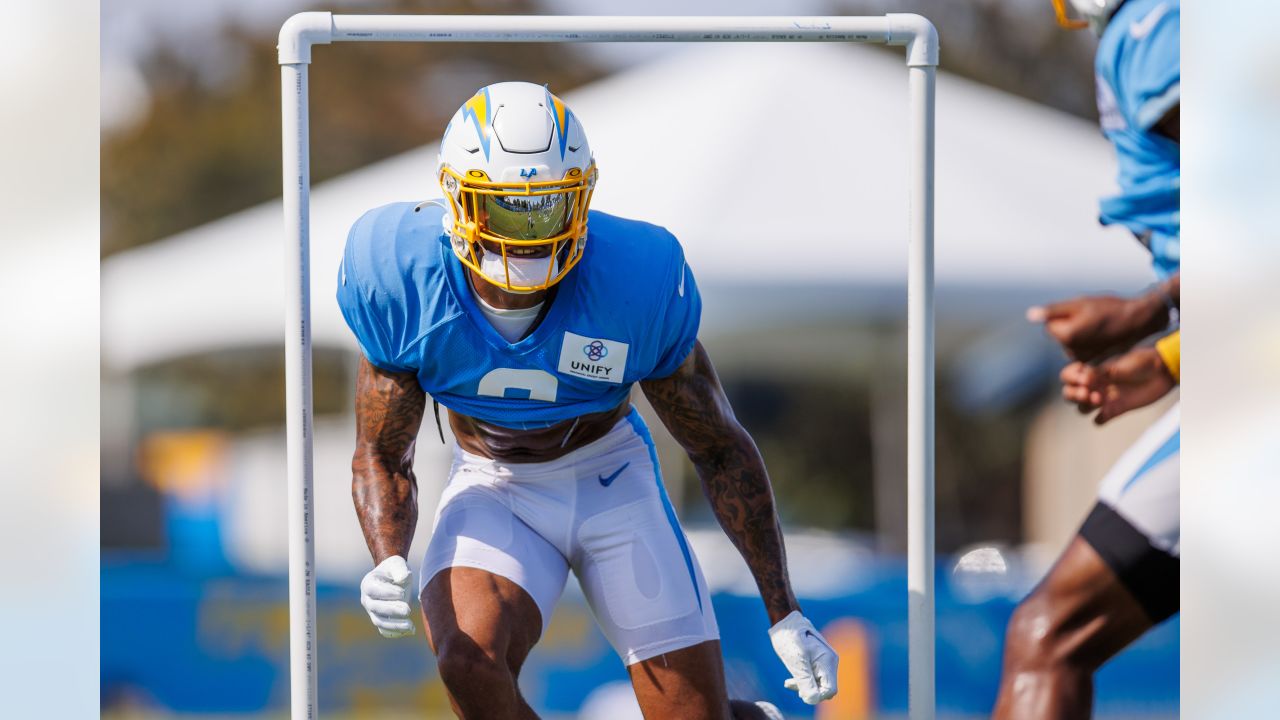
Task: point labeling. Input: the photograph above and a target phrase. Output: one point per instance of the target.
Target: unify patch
(593, 358)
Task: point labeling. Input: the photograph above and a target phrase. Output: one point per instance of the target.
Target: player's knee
(1032, 640)
(1042, 635)
(463, 665)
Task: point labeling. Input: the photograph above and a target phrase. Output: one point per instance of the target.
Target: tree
(207, 148)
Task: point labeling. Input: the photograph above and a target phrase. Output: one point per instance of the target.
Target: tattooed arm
(389, 408)
(692, 405)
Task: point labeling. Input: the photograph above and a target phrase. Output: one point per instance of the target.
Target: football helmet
(517, 176)
(1087, 13)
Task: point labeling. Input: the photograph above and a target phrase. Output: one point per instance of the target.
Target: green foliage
(1013, 45)
(207, 148)
(815, 436)
(236, 390)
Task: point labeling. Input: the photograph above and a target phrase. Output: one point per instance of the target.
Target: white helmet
(1088, 13)
(517, 174)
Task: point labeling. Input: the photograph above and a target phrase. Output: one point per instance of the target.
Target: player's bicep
(389, 409)
(692, 404)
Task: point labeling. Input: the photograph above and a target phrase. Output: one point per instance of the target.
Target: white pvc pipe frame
(304, 30)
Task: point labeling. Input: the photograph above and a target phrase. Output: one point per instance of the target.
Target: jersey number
(541, 385)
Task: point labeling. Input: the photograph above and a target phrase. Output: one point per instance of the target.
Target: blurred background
(783, 172)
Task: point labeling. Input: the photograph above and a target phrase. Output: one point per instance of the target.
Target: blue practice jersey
(1138, 74)
(628, 311)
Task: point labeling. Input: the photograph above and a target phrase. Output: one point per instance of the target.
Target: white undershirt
(510, 324)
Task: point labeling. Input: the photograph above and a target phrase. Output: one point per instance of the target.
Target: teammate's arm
(1095, 326)
(693, 407)
(1092, 327)
(1171, 290)
(389, 408)
(1127, 382)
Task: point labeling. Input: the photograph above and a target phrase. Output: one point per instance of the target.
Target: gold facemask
(519, 219)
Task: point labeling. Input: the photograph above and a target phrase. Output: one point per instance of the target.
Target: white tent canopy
(773, 163)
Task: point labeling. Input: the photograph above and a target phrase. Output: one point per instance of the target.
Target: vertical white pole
(297, 353)
(920, 511)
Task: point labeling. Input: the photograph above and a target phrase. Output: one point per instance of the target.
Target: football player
(1119, 576)
(530, 318)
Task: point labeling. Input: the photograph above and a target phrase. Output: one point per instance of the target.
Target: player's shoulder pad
(390, 243)
(645, 252)
(389, 285)
(641, 272)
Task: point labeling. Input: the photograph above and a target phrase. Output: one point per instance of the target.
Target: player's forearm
(389, 408)
(1172, 289)
(1150, 312)
(736, 484)
(386, 500)
(693, 406)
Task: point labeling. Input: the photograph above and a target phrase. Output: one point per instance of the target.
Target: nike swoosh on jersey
(683, 268)
(1143, 27)
(607, 481)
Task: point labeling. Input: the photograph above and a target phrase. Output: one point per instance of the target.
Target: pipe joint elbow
(918, 35)
(300, 32)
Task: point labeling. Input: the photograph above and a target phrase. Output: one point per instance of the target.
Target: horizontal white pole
(303, 30)
(546, 28)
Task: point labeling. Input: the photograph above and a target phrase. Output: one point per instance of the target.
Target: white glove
(384, 595)
(808, 657)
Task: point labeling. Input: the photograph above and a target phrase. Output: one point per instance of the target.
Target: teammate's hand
(808, 657)
(1133, 380)
(384, 593)
(1094, 326)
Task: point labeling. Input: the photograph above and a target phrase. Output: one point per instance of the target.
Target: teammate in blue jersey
(1119, 575)
(530, 319)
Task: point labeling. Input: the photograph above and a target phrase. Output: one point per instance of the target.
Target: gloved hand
(808, 657)
(384, 593)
